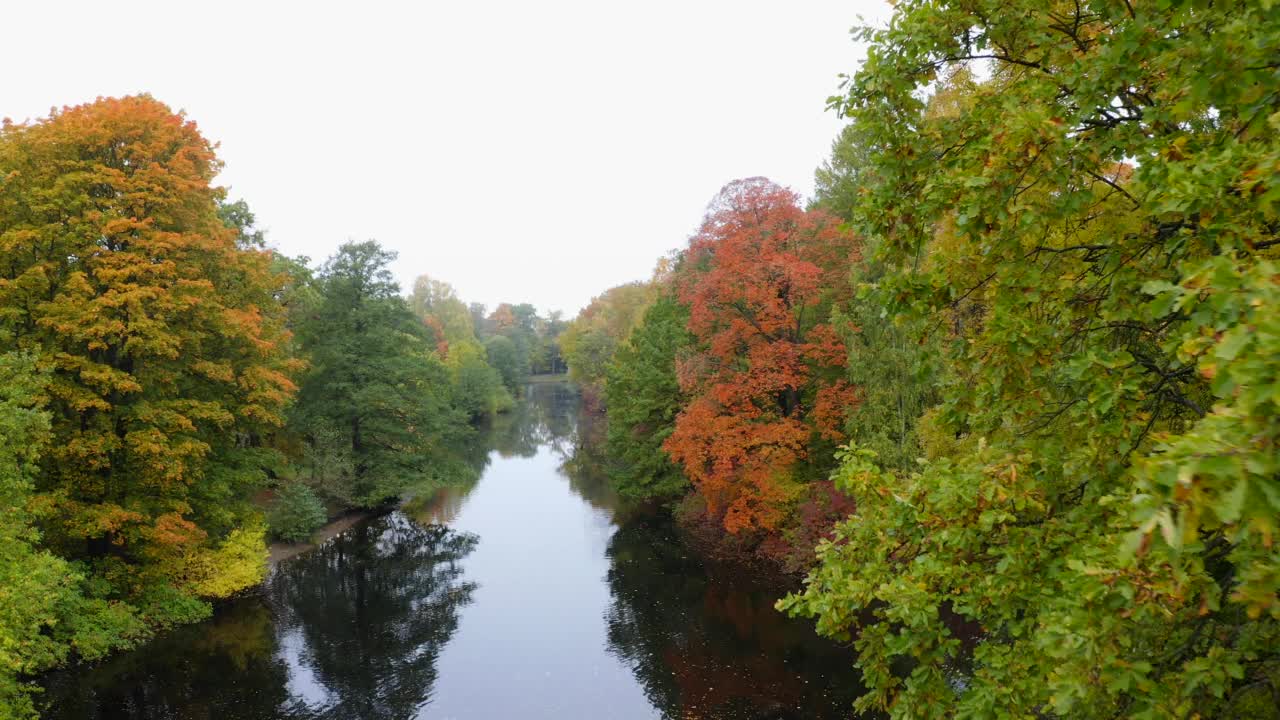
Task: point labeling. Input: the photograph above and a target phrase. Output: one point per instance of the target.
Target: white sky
(523, 151)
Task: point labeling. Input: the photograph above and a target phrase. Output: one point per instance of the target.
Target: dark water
(515, 596)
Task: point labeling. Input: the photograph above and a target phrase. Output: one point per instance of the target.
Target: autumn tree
(1089, 231)
(436, 299)
(478, 386)
(589, 342)
(766, 379)
(159, 327)
(502, 320)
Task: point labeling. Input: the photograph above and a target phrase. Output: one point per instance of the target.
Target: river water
(519, 595)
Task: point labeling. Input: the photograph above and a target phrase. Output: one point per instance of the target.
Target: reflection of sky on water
(533, 643)
(532, 603)
(302, 683)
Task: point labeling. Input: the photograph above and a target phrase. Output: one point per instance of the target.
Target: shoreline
(278, 552)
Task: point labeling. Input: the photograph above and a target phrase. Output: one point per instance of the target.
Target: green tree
(589, 342)
(375, 409)
(1090, 233)
(295, 513)
(517, 323)
(237, 216)
(504, 356)
(643, 398)
(891, 356)
(478, 387)
(37, 586)
(547, 359)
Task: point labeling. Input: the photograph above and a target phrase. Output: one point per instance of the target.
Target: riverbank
(278, 552)
(520, 576)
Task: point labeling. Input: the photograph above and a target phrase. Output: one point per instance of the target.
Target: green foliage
(376, 408)
(479, 388)
(237, 216)
(588, 344)
(1087, 236)
(295, 513)
(45, 615)
(643, 398)
(545, 357)
(891, 357)
(892, 363)
(35, 586)
(95, 626)
(504, 356)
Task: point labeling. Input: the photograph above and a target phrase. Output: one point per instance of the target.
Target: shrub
(296, 513)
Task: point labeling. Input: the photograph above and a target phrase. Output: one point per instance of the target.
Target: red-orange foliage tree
(767, 379)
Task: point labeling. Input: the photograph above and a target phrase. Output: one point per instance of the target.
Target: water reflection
(364, 618)
(520, 594)
(351, 630)
(543, 417)
(586, 464)
(240, 644)
(705, 642)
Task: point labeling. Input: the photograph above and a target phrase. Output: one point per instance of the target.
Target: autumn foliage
(158, 327)
(162, 360)
(766, 378)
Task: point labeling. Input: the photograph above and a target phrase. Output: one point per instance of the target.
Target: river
(520, 595)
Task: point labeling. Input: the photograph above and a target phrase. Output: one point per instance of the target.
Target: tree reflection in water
(363, 618)
(357, 628)
(182, 674)
(350, 630)
(545, 415)
(704, 642)
(710, 646)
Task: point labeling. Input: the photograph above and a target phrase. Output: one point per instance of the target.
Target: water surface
(521, 595)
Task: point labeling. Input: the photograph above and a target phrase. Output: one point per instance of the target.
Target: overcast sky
(523, 151)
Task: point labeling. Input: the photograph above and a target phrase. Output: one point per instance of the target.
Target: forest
(1002, 399)
(1005, 389)
(173, 393)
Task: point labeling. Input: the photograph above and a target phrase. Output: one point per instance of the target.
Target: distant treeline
(1024, 345)
(173, 392)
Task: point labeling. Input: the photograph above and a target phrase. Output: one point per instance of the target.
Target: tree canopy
(766, 378)
(376, 409)
(153, 348)
(1077, 202)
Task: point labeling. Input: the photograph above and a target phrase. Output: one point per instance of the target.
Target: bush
(296, 513)
(239, 562)
(479, 390)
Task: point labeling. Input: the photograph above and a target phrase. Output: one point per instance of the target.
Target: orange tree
(163, 341)
(766, 374)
